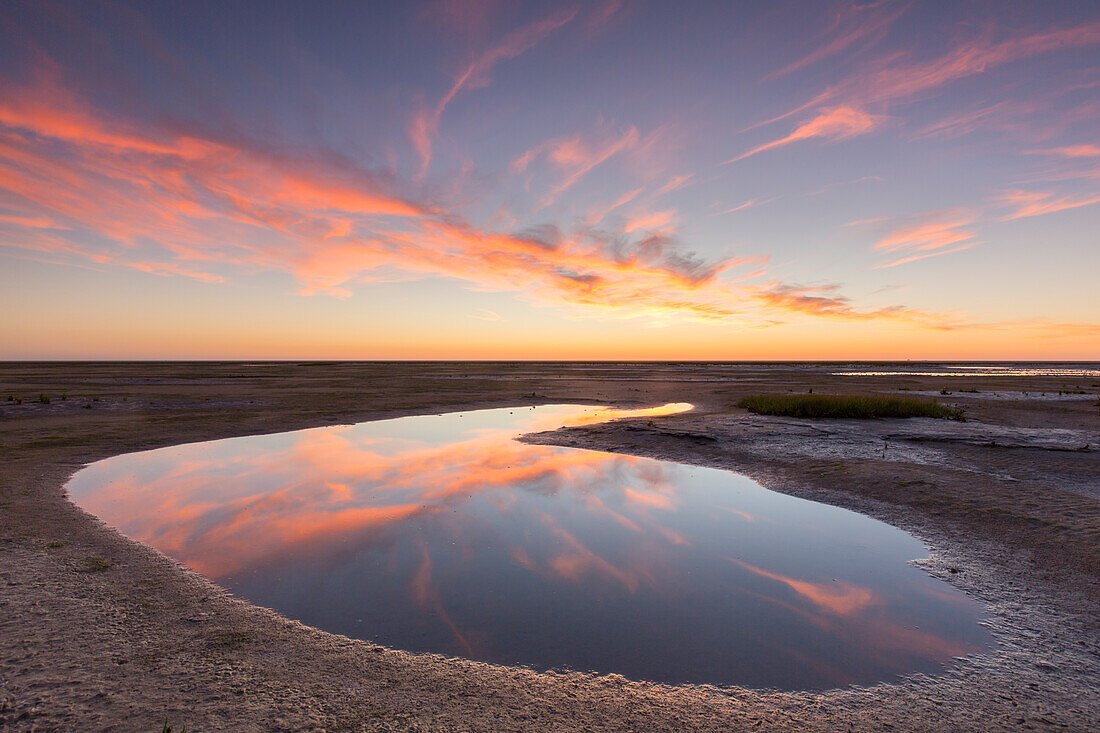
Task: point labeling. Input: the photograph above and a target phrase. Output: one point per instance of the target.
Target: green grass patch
(846, 406)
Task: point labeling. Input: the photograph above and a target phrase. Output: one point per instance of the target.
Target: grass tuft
(847, 406)
(231, 638)
(97, 565)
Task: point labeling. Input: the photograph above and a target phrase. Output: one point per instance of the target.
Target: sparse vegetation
(847, 406)
(97, 565)
(44, 398)
(168, 729)
(231, 638)
(55, 545)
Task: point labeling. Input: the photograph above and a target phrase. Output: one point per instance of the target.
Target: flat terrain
(101, 633)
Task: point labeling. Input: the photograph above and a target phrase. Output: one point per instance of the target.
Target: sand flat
(98, 632)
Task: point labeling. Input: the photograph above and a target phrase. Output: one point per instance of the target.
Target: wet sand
(1010, 500)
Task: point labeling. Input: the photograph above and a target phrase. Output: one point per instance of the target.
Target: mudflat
(98, 632)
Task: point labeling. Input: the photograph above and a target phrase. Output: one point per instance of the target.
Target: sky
(501, 180)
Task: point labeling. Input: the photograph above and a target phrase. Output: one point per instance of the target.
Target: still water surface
(442, 533)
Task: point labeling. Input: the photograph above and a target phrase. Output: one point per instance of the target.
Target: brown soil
(98, 632)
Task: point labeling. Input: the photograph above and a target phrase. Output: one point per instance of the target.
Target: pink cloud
(832, 123)
(597, 215)
(673, 184)
(31, 222)
(1075, 151)
(751, 203)
(1036, 203)
(937, 233)
(896, 81)
(925, 255)
(655, 220)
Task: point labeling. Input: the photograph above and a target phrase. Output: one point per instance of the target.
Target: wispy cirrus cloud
(936, 233)
(850, 24)
(424, 125)
(484, 314)
(901, 80)
(1078, 151)
(650, 221)
(832, 123)
(572, 158)
(855, 105)
(826, 301)
(673, 184)
(1025, 203)
(751, 203)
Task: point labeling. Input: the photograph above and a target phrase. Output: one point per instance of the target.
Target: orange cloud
(231, 205)
(173, 202)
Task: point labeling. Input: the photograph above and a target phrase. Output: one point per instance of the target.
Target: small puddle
(442, 533)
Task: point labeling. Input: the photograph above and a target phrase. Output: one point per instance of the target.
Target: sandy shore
(1011, 499)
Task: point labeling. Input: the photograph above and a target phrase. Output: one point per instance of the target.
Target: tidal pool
(442, 533)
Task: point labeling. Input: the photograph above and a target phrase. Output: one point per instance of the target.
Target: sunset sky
(612, 180)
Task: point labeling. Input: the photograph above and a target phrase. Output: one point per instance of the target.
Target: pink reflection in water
(447, 535)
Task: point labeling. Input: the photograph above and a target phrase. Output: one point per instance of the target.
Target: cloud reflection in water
(442, 533)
